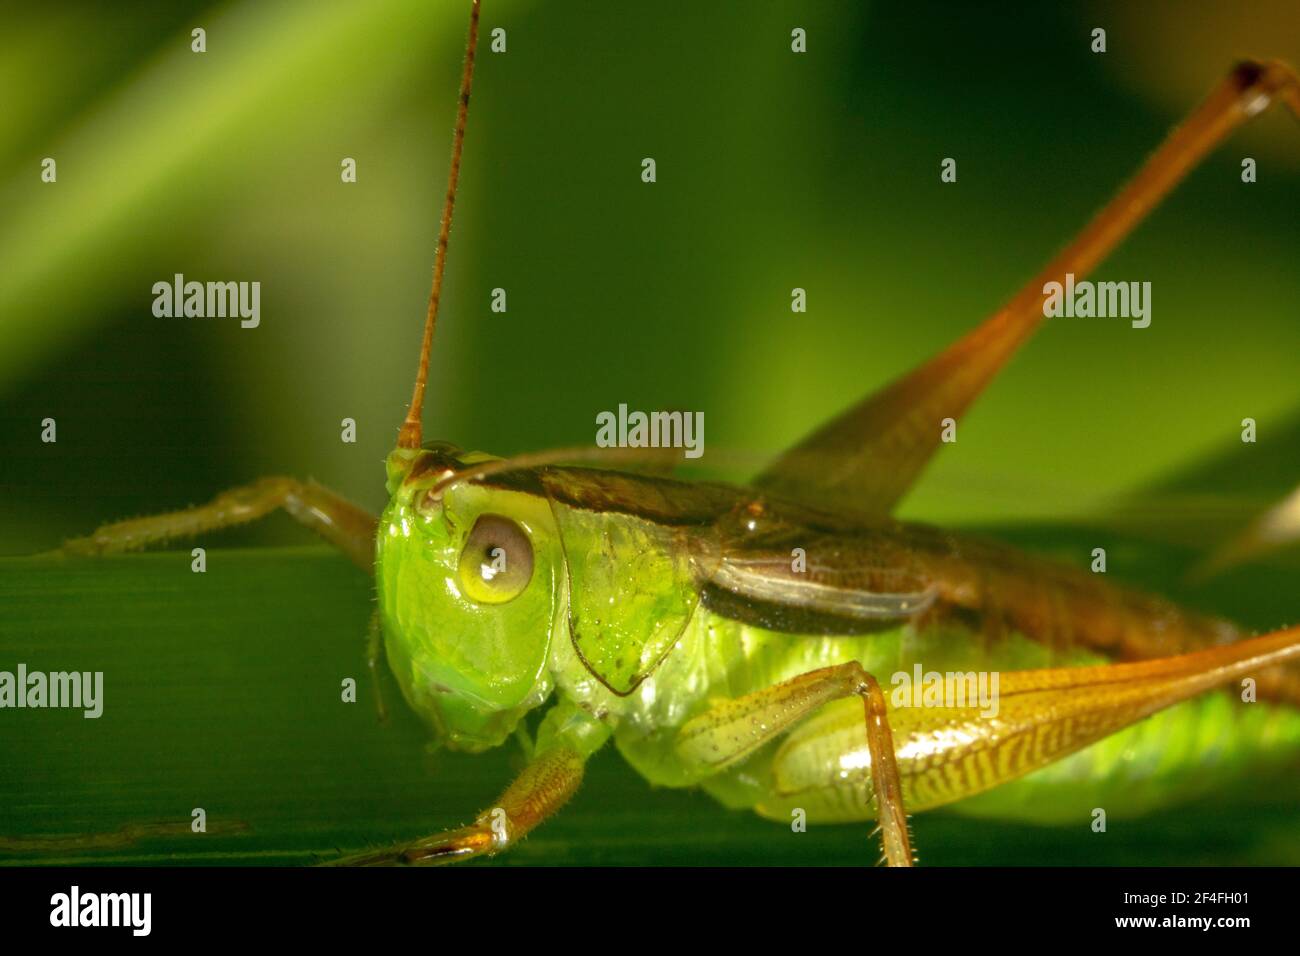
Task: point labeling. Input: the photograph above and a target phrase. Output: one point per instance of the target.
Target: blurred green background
(775, 170)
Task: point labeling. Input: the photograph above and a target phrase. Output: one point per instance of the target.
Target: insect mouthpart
(462, 722)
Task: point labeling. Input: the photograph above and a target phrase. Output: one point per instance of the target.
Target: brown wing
(787, 570)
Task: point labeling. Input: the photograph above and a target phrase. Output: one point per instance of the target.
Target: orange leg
(731, 730)
(948, 753)
(865, 460)
(337, 520)
(545, 785)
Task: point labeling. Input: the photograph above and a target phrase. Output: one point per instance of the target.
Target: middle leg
(732, 730)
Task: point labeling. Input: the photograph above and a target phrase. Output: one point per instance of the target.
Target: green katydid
(669, 618)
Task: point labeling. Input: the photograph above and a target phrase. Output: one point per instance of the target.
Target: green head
(469, 586)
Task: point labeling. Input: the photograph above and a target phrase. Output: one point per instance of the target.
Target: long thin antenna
(410, 435)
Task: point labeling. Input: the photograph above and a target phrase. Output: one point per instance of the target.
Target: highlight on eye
(496, 563)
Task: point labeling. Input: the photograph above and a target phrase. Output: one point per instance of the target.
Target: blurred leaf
(175, 138)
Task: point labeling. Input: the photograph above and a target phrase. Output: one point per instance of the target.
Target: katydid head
(469, 579)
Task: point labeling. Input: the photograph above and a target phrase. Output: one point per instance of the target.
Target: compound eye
(496, 563)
